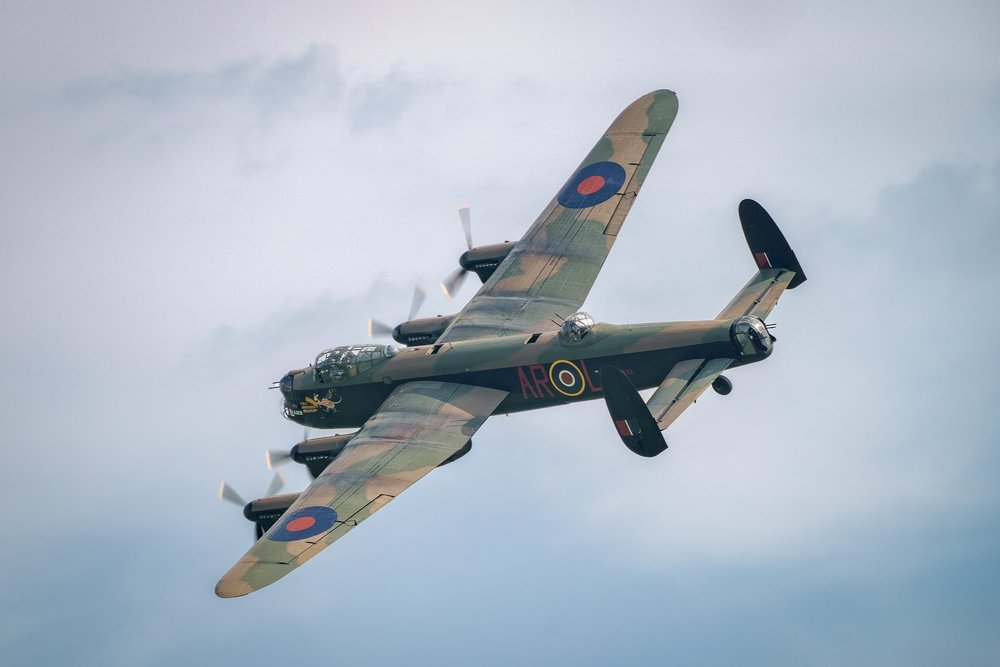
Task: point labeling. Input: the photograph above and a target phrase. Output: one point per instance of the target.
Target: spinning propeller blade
(418, 299)
(453, 282)
(377, 328)
(275, 457)
(465, 215)
(276, 485)
(226, 492)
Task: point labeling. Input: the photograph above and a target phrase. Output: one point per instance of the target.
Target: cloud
(262, 93)
(266, 85)
(190, 210)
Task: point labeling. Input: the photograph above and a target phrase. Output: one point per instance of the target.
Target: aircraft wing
(418, 427)
(550, 271)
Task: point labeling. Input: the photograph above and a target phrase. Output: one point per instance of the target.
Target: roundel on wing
(591, 185)
(304, 522)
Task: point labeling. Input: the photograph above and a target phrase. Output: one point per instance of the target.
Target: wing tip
(227, 588)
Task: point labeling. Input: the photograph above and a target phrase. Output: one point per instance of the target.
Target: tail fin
(767, 244)
(778, 267)
(636, 426)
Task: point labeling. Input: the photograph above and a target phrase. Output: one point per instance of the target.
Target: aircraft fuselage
(537, 370)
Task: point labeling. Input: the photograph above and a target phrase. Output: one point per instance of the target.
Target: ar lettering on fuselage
(560, 378)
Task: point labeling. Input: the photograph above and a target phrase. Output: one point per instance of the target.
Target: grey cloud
(269, 86)
(839, 508)
(176, 103)
(381, 103)
(946, 219)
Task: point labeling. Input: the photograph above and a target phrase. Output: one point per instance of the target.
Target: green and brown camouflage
(519, 344)
(416, 429)
(531, 367)
(551, 270)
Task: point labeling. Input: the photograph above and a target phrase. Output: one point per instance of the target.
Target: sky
(195, 198)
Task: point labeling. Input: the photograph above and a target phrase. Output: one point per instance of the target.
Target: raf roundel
(305, 522)
(591, 185)
(566, 378)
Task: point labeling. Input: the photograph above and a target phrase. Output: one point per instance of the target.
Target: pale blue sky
(195, 199)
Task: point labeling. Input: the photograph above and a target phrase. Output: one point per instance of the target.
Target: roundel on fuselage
(567, 378)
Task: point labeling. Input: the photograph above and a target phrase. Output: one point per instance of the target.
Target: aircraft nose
(285, 384)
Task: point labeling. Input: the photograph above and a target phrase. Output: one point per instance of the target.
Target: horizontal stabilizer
(758, 296)
(635, 425)
(685, 382)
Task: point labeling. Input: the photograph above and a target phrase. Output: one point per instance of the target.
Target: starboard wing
(550, 271)
(418, 427)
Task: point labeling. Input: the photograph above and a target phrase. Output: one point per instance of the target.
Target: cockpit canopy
(340, 363)
(575, 327)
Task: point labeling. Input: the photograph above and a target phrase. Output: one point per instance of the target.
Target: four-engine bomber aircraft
(519, 344)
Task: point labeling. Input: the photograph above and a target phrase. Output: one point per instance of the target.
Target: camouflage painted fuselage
(538, 370)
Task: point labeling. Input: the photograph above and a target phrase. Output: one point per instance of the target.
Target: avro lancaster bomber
(519, 344)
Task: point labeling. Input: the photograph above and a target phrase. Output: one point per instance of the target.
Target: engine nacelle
(316, 454)
(265, 512)
(424, 331)
(485, 259)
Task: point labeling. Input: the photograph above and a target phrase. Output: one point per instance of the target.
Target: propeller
(377, 328)
(453, 282)
(227, 492)
(277, 457)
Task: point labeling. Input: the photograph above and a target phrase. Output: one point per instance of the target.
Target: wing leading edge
(552, 268)
(418, 427)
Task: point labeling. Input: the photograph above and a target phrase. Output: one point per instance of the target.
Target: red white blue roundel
(592, 184)
(566, 378)
(304, 522)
